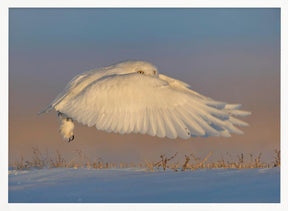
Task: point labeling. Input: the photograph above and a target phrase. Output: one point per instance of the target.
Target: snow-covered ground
(137, 185)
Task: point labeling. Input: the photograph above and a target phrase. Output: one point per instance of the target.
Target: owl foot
(66, 127)
(71, 139)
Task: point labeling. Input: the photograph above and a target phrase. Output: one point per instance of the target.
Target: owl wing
(143, 104)
(76, 85)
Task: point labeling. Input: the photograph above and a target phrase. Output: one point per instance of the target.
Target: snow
(67, 185)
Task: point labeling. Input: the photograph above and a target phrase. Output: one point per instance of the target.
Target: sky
(231, 55)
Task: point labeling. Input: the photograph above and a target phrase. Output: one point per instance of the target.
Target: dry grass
(191, 162)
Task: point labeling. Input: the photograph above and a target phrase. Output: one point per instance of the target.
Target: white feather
(119, 99)
(66, 126)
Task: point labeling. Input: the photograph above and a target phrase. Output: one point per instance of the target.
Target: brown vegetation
(191, 162)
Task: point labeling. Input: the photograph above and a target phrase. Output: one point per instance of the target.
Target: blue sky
(99, 27)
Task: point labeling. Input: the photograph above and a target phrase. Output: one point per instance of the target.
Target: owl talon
(71, 139)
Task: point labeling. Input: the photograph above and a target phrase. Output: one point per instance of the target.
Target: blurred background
(231, 55)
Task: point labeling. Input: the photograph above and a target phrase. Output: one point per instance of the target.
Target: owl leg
(66, 127)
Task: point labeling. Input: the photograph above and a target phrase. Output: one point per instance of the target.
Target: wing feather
(180, 127)
(160, 125)
(191, 123)
(143, 104)
(169, 126)
(152, 122)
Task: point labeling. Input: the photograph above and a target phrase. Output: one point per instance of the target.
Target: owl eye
(154, 72)
(140, 72)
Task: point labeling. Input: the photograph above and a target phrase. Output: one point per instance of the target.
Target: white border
(5, 5)
(284, 104)
(145, 3)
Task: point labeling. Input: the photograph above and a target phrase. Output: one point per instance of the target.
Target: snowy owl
(133, 97)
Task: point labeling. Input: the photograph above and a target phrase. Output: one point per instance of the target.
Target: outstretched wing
(76, 85)
(143, 104)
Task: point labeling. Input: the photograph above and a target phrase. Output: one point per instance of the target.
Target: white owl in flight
(133, 97)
